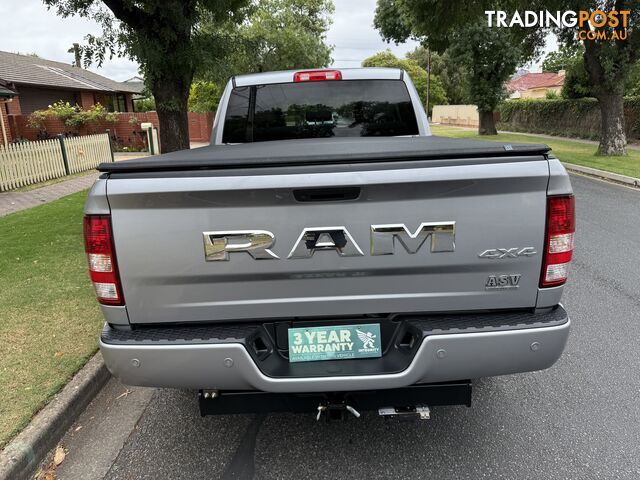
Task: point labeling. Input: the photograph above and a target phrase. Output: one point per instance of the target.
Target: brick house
(35, 83)
(39, 83)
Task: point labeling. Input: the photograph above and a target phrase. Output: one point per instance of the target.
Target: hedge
(578, 118)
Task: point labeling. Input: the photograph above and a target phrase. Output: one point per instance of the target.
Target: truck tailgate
(159, 220)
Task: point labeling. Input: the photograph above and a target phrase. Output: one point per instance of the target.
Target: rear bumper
(470, 349)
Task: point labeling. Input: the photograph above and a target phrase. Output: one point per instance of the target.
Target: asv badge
(503, 282)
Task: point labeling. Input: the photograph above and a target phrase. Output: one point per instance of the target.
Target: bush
(71, 115)
(36, 119)
(578, 118)
(145, 104)
(204, 97)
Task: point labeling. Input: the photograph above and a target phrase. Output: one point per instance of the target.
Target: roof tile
(529, 81)
(26, 69)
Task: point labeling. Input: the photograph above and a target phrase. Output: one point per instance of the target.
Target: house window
(116, 103)
(110, 104)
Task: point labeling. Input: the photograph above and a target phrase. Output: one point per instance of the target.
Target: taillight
(317, 76)
(103, 269)
(558, 245)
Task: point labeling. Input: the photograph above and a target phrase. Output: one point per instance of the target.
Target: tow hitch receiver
(406, 402)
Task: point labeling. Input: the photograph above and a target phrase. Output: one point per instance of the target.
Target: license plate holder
(334, 342)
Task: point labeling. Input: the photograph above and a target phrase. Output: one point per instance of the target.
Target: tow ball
(335, 411)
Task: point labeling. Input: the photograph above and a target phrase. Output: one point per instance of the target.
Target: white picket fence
(27, 163)
(87, 152)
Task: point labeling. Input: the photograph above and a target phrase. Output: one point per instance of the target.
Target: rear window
(347, 108)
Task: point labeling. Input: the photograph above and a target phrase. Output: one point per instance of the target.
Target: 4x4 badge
(515, 252)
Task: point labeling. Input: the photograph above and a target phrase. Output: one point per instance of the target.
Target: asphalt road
(577, 420)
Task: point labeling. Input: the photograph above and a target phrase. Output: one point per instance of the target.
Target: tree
(437, 95)
(452, 74)
(611, 48)
(563, 58)
(277, 35)
(610, 53)
(288, 34)
(570, 59)
(490, 55)
(577, 84)
(165, 38)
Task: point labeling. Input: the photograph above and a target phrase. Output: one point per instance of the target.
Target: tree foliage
(204, 96)
(287, 34)
(165, 38)
(436, 22)
(452, 75)
(489, 55)
(277, 35)
(632, 87)
(608, 63)
(563, 58)
(437, 95)
(147, 104)
(576, 80)
(570, 58)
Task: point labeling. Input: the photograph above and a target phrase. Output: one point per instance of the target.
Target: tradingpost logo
(595, 25)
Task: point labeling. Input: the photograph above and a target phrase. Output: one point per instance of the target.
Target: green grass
(570, 151)
(49, 319)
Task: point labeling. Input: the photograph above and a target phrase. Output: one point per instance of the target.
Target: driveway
(579, 419)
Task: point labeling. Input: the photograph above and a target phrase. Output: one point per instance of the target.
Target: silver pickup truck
(327, 254)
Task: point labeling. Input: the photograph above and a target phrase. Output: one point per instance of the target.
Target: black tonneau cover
(324, 151)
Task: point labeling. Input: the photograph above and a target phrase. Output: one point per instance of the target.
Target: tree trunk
(487, 124)
(608, 87)
(613, 140)
(172, 95)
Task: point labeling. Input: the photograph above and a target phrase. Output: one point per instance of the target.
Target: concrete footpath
(11, 202)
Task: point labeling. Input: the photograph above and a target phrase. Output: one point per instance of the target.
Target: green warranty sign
(340, 342)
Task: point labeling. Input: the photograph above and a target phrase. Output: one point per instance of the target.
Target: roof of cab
(286, 76)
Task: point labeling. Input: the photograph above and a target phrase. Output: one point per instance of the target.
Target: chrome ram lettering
(257, 243)
(218, 245)
(337, 239)
(442, 234)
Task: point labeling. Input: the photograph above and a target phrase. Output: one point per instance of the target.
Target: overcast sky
(28, 27)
